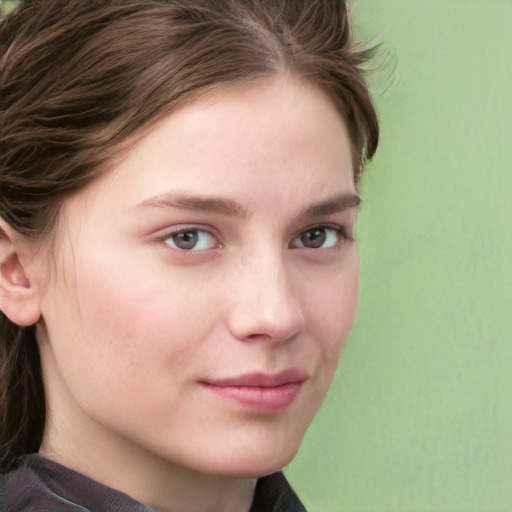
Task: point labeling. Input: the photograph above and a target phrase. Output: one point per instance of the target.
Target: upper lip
(262, 380)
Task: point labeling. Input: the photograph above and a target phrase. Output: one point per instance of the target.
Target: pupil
(313, 238)
(186, 239)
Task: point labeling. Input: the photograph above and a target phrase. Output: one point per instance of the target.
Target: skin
(131, 325)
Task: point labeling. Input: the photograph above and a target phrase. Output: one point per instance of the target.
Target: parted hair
(82, 81)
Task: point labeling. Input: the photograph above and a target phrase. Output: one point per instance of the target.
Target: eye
(191, 239)
(320, 237)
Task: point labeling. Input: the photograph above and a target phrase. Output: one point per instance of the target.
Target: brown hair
(79, 81)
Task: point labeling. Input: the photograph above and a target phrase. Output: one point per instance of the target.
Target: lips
(263, 380)
(260, 391)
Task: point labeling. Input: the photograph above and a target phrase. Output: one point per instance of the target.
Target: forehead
(278, 143)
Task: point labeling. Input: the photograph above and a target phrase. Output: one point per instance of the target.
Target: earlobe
(19, 299)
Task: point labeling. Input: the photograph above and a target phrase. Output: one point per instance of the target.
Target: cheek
(333, 308)
(131, 332)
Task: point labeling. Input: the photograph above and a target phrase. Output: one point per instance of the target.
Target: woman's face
(203, 289)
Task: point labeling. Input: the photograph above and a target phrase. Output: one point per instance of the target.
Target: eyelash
(339, 231)
(184, 230)
(342, 234)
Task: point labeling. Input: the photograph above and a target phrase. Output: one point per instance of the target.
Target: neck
(155, 482)
(128, 467)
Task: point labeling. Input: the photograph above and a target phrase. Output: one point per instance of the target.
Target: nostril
(260, 337)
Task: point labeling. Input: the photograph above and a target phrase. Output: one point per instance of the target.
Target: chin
(255, 448)
(252, 462)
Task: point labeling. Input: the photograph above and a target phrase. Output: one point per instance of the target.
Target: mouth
(262, 392)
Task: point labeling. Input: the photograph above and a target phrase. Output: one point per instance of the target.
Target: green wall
(420, 414)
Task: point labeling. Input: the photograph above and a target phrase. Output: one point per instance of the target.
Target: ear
(19, 291)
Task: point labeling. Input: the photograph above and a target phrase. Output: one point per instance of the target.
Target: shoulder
(25, 490)
(40, 484)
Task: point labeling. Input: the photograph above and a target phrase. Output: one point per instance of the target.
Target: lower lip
(259, 398)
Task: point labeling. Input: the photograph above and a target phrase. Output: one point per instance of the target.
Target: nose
(265, 303)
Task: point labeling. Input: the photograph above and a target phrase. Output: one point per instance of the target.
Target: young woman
(178, 185)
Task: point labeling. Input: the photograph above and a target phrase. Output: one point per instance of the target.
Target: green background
(420, 414)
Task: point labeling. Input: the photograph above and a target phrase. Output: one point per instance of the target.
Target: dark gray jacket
(42, 485)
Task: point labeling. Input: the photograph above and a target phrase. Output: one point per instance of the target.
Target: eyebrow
(226, 206)
(334, 204)
(196, 202)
